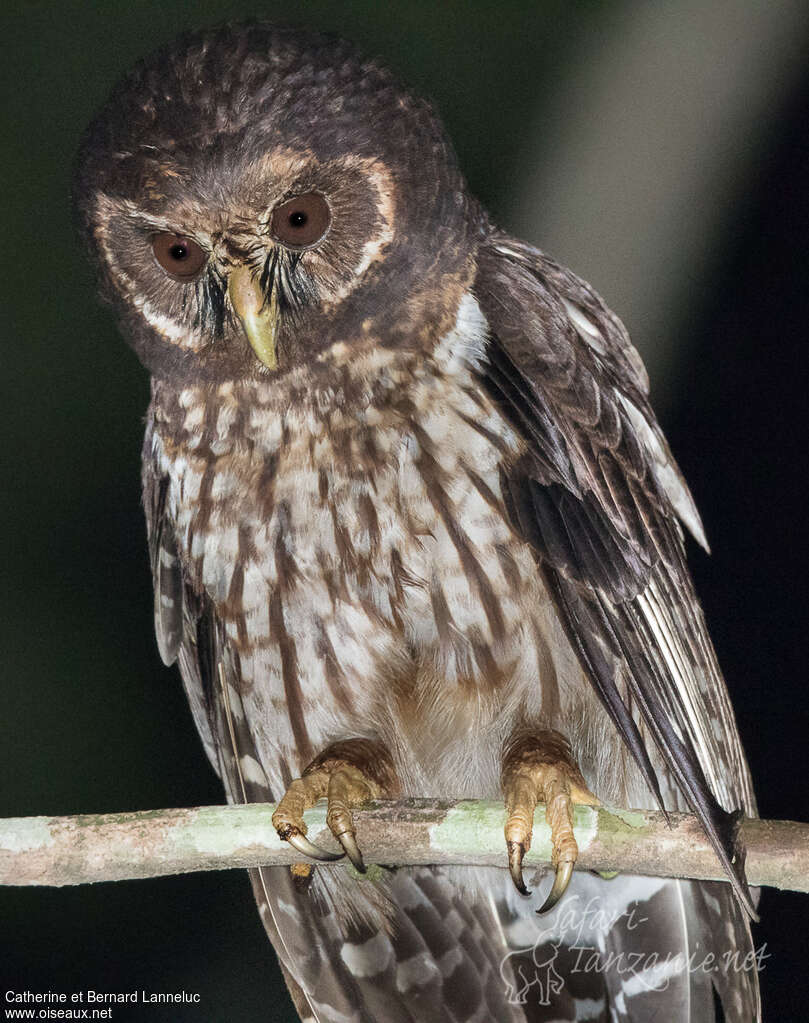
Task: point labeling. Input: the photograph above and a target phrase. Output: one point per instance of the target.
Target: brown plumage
(404, 485)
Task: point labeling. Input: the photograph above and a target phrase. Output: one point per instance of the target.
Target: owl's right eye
(180, 257)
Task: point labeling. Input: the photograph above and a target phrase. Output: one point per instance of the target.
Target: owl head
(258, 197)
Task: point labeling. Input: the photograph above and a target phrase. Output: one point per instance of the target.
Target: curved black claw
(564, 872)
(303, 845)
(516, 852)
(352, 850)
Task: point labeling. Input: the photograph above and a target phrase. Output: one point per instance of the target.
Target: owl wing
(184, 626)
(598, 496)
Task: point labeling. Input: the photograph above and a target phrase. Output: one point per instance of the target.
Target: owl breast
(353, 540)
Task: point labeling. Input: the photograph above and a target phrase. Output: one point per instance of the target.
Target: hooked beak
(258, 316)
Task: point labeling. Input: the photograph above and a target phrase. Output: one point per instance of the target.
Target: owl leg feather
(538, 767)
(348, 774)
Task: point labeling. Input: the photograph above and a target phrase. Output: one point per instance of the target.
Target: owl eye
(301, 222)
(180, 257)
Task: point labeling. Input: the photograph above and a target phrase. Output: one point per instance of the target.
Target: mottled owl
(415, 530)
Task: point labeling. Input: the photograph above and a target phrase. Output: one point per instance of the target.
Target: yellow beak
(259, 319)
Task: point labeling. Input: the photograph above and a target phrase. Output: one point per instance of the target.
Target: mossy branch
(113, 847)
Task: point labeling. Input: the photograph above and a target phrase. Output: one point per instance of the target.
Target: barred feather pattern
(432, 548)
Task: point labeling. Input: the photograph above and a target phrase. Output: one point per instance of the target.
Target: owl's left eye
(301, 222)
(179, 256)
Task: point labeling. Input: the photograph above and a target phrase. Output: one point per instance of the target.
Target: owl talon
(349, 843)
(540, 768)
(564, 872)
(307, 848)
(348, 774)
(516, 852)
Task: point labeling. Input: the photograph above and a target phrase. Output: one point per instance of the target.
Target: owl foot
(539, 768)
(348, 774)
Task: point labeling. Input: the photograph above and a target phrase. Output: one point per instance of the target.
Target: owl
(414, 530)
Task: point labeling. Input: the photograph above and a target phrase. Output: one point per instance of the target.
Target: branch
(114, 847)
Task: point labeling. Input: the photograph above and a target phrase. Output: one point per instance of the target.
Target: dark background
(91, 721)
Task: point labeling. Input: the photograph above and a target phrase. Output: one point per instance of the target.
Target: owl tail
(634, 949)
(432, 944)
(411, 946)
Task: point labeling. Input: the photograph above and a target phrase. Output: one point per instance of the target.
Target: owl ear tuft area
(102, 212)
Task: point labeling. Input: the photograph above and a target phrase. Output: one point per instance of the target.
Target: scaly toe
(288, 817)
(539, 767)
(348, 773)
(348, 787)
